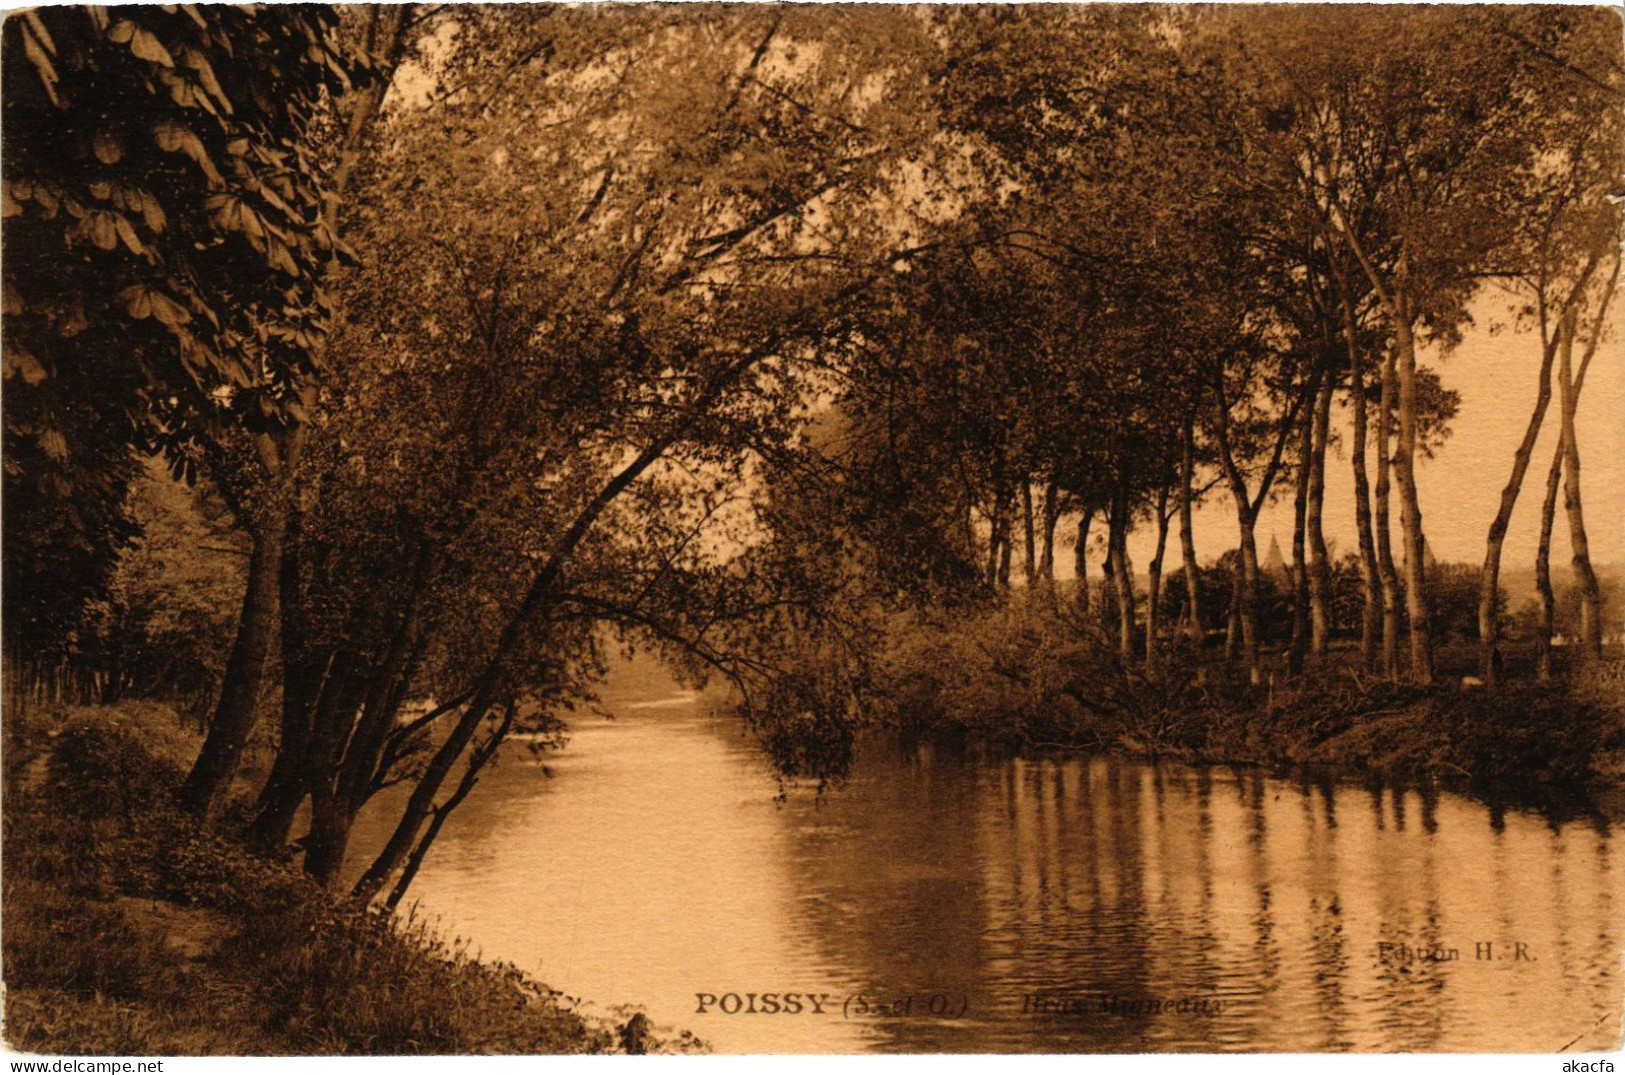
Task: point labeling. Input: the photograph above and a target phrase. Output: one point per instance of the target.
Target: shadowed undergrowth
(131, 929)
(1025, 676)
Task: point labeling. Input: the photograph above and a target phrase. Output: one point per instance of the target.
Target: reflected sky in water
(1035, 905)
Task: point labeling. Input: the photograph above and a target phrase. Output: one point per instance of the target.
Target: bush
(1518, 735)
(1037, 673)
(362, 982)
(1527, 733)
(274, 965)
(53, 941)
(1032, 674)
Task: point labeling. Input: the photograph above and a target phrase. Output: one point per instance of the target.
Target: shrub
(1538, 733)
(285, 968)
(53, 941)
(362, 982)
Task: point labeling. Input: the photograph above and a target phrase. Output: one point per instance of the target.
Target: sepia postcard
(648, 528)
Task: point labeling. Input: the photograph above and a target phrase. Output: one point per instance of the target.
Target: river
(939, 901)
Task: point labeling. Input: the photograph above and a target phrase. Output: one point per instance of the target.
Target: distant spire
(1273, 560)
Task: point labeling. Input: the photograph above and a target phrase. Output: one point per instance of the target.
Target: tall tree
(1433, 165)
(1569, 234)
(257, 473)
(533, 374)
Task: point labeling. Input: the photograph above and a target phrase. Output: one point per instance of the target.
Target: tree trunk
(330, 824)
(471, 774)
(1005, 557)
(1543, 564)
(1080, 557)
(303, 675)
(339, 691)
(1319, 557)
(1187, 535)
(994, 524)
(1153, 586)
(1385, 551)
(966, 514)
(421, 803)
(1052, 514)
(1247, 594)
(1371, 599)
(998, 561)
(1584, 575)
(1489, 623)
(1410, 508)
(1030, 533)
(364, 750)
(1232, 622)
(348, 741)
(285, 789)
(1300, 562)
(1122, 571)
(234, 716)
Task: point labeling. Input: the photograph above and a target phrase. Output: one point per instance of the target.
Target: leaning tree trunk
(1585, 576)
(478, 758)
(1489, 620)
(1319, 557)
(1410, 507)
(1385, 550)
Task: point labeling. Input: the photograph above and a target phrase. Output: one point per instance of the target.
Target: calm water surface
(657, 864)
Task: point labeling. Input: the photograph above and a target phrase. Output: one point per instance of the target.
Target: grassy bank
(131, 929)
(1027, 676)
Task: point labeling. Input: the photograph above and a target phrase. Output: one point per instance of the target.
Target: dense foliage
(166, 243)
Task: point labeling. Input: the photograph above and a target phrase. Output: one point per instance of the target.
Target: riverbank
(1028, 678)
(132, 930)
